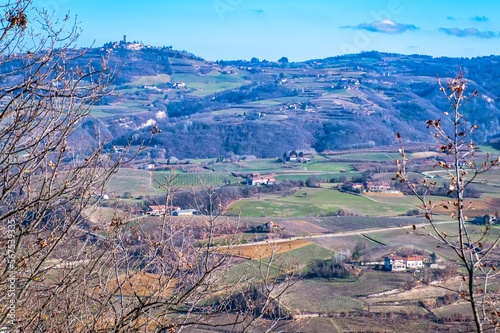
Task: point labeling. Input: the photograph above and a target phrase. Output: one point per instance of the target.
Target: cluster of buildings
(347, 83)
(160, 210)
(299, 159)
(268, 227)
(179, 85)
(451, 162)
(127, 45)
(398, 263)
(300, 106)
(380, 186)
(256, 180)
(153, 88)
(176, 85)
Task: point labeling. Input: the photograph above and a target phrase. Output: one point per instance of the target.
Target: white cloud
(386, 26)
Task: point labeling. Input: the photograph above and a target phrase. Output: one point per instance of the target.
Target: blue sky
(299, 30)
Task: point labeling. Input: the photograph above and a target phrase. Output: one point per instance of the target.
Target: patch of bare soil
(260, 251)
(436, 289)
(303, 227)
(424, 154)
(472, 207)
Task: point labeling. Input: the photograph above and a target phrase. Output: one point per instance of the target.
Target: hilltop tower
(124, 39)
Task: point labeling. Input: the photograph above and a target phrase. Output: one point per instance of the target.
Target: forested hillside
(263, 108)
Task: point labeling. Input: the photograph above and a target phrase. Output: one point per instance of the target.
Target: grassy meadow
(280, 263)
(193, 179)
(134, 181)
(316, 202)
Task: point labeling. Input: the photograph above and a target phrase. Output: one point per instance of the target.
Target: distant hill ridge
(263, 108)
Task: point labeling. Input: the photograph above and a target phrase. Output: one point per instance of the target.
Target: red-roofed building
(398, 263)
(179, 85)
(299, 159)
(259, 180)
(378, 186)
(357, 186)
(461, 163)
(161, 210)
(395, 263)
(414, 262)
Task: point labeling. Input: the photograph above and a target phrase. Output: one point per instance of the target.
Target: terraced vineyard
(196, 179)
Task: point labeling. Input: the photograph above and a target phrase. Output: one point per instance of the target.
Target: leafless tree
(472, 250)
(60, 273)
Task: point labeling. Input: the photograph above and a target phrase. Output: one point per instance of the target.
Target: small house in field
(260, 180)
(303, 159)
(156, 210)
(162, 210)
(149, 166)
(486, 219)
(398, 263)
(268, 227)
(357, 186)
(395, 263)
(414, 262)
(100, 197)
(179, 85)
(118, 150)
(299, 159)
(185, 212)
(450, 163)
(377, 186)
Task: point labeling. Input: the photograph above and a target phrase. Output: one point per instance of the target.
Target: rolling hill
(262, 108)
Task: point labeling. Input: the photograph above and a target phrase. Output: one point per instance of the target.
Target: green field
(353, 223)
(318, 167)
(328, 167)
(489, 149)
(303, 177)
(262, 166)
(491, 177)
(421, 238)
(488, 190)
(196, 179)
(314, 203)
(405, 200)
(346, 242)
(151, 80)
(300, 257)
(292, 99)
(309, 295)
(230, 111)
(376, 157)
(267, 102)
(205, 89)
(210, 83)
(212, 77)
(281, 263)
(135, 181)
(449, 310)
(118, 109)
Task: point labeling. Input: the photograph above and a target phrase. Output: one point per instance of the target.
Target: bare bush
(472, 251)
(60, 273)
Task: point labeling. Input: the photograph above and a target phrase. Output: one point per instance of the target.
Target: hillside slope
(207, 109)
